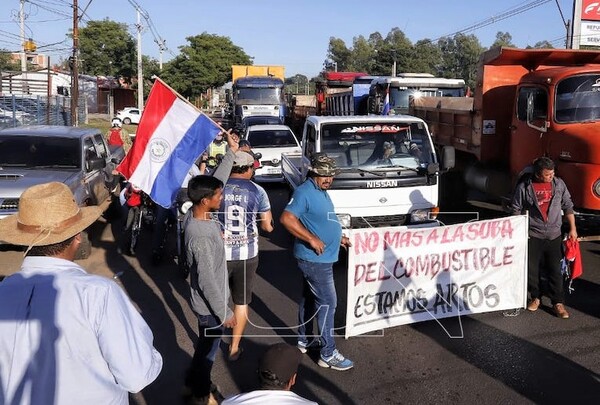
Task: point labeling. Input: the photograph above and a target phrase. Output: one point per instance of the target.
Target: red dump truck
(527, 103)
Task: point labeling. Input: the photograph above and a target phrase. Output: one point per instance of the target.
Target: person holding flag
(171, 135)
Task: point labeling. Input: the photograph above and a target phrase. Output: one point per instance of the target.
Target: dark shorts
(241, 279)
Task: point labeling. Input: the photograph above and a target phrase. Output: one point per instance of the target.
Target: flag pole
(188, 102)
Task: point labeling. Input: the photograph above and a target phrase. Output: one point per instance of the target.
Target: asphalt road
(486, 358)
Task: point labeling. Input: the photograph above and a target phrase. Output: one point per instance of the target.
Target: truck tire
(85, 248)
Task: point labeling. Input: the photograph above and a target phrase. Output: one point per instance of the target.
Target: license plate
(275, 170)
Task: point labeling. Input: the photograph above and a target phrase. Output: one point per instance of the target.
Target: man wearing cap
(66, 336)
(277, 373)
(310, 217)
(243, 203)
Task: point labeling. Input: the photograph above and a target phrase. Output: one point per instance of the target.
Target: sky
(292, 33)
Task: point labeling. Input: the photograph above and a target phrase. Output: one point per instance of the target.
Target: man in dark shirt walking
(545, 197)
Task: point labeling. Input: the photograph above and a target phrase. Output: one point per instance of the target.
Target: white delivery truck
(389, 169)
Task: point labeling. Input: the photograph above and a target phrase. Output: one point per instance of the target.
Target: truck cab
(388, 168)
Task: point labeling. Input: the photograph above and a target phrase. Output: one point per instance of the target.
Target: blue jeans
(209, 337)
(321, 288)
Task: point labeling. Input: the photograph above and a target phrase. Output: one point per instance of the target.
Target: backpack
(115, 137)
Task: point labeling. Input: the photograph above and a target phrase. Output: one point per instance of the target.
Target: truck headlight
(596, 188)
(425, 215)
(344, 220)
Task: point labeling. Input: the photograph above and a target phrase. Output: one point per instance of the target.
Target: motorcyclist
(117, 136)
(217, 147)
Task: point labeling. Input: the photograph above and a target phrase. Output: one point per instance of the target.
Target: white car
(271, 141)
(129, 115)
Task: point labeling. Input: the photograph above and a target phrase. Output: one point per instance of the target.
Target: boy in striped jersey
(244, 202)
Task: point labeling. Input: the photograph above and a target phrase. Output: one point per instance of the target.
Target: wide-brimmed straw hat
(48, 214)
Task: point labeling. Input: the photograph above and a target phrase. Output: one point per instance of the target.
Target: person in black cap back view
(277, 373)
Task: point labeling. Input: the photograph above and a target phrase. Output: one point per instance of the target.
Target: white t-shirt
(261, 397)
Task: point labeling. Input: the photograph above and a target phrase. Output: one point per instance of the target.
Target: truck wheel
(85, 248)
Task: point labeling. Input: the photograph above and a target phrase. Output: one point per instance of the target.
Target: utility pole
(161, 49)
(22, 21)
(23, 57)
(75, 68)
(140, 84)
(576, 27)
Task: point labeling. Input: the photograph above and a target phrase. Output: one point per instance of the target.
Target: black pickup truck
(78, 157)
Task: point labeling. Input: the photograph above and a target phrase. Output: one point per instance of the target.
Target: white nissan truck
(388, 168)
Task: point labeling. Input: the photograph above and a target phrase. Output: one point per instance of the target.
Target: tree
(503, 39)
(6, 62)
(107, 49)
(363, 55)
(202, 64)
(150, 67)
(460, 55)
(426, 58)
(339, 54)
(541, 45)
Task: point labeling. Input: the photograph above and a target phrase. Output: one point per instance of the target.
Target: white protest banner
(400, 275)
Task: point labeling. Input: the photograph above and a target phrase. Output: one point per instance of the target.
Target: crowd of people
(62, 329)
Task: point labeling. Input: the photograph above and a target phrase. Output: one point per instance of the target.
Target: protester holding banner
(309, 216)
(545, 197)
(243, 203)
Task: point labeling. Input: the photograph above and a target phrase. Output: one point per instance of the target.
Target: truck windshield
(578, 99)
(377, 146)
(31, 152)
(258, 96)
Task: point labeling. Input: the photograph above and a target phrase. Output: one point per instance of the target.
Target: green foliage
(204, 63)
(503, 39)
(452, 57)
(460, 55)
(298, 84)
(6, 63)
(541, 45)
(107, 49)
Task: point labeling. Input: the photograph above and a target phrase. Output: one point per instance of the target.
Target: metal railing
(17, 110)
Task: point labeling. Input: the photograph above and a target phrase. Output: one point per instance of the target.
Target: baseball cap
(323, 165)
(282, 360)
(243, 159)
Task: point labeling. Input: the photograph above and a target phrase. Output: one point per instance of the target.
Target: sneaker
(560, 311)
(336, 362)
(533, 305)
(312, 345)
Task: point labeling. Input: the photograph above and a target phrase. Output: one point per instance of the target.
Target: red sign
(590, 10)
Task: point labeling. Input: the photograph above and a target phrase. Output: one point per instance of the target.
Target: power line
(519, 9)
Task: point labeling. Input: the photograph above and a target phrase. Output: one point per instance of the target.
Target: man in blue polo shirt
(309, 216)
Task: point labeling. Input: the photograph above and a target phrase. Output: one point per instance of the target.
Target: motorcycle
(140, 212)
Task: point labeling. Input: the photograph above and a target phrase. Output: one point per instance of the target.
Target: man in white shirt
(277, 372)
(66, 336)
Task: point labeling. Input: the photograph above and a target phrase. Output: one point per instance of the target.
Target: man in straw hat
(310, 217)
(66, 336)
(277, 373)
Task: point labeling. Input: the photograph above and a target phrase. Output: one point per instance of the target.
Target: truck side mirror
(448, 157)
(95, 163)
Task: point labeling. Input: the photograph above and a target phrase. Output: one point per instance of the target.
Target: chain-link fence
(17, 110)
